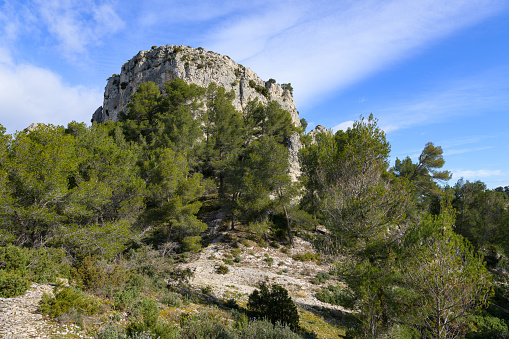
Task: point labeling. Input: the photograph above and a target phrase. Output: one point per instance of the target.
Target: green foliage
(274, 303)
(171, 299)
(337, 295)
(191, 244)
(484, 325)
(14, 259)
(66, 299)
(126, 299)
(222, 269)
(483, 217)
(447, 278)
(146, 322)
(320, 278)
(12, 284)
(88, 274)
(425, 174)
(308, 256)
(287, 87)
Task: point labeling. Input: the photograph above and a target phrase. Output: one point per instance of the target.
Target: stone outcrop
(201, 67)
(318, 130)
(195, 66)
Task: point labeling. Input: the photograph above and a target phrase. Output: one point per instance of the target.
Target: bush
(12, 284)
(222, 269)
(126, 299)
(13, 259)
(275, 304)
(336, 295)
(111, 332)
(485, 325)
(67, 299)
(171, 299)
(321, 278)
(205, 325)
(265, 329)
(88, 275)
(308, 256)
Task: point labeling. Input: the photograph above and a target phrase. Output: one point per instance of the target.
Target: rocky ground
(274, 265)
(20, 318)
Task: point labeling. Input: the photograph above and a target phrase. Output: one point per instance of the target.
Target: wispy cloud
(30, 94)
(475, 174)
(326, 46)
(463, 97)
(78, 24)
(466, 150)
(343, 126)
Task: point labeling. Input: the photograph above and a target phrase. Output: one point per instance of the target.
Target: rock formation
(195, 66)
(201, 67)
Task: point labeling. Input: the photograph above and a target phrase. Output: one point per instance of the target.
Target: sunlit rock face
(195, 66)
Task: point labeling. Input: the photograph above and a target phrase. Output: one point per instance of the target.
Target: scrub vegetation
(115, 208)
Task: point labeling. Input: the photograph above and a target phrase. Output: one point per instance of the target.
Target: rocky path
(243, 277)
(20, 318)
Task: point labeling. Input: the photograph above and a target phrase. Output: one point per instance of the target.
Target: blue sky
(429, 70)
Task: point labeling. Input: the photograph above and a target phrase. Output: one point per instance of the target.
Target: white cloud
(30, 94)
(326, 46)
(475, 174)
(78, 24)
(466, 150)
(467, 96)
(156, 12)
(343, 126)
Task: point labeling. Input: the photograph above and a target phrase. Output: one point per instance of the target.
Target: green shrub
(265, 329)
(88, 274)
(263, 244)
(65, 300)
(46, 264)
(222, 269)
(112, 332)
(288, 87)
(260, 89)
(321, 278)
(275, 304)
(171, 299)
(192, 243)
(336, 295)
(206, 290)
(205, 325)
(14, 259)
(146, 322)
(127, 298)
(484, 325)
(12, 284)
(245, 242)
(237, 259)
(308, 256)
(228, 262)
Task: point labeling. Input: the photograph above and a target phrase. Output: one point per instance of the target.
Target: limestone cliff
(195, 66)
(201, 67)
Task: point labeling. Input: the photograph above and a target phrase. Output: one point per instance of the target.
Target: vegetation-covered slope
(117, 207)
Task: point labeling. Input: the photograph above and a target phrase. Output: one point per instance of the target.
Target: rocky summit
(195, 66)
(201, 67)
